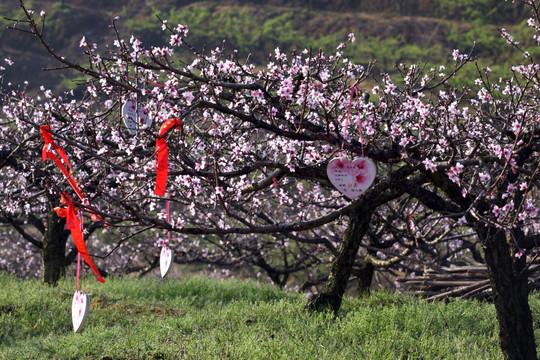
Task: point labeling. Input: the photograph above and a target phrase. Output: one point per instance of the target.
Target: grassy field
(198, 318)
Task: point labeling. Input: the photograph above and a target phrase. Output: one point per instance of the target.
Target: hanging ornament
(81, 301)
(352, 178)
(135, 116)
(79, 310)
(165, 260)
(166, 257)
(80, 304)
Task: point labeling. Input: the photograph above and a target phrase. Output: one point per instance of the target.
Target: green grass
(198, 318)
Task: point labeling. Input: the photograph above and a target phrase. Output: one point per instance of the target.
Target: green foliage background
(390, 32)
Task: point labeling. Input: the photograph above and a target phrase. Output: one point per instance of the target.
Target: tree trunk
(53, 253)
(334, 289)
(510, 296)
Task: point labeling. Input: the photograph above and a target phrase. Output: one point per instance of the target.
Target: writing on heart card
(351, 178)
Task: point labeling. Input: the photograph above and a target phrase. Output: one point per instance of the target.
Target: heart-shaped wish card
(79, 310)
(351, 178)
(165, 260)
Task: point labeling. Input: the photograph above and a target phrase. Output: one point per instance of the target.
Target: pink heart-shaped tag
(79, 310)
(351, 178)
(165, 260)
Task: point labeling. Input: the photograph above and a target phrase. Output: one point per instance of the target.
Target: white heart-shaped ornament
(165, 260)
(79, 310)
(134, 116)
(351, 178)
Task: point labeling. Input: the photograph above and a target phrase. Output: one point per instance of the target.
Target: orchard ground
(198, 318)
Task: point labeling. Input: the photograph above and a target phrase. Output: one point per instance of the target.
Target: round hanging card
(351, 178)
(134, 117)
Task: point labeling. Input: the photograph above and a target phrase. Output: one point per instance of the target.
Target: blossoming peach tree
(271, 252)
(251, 165)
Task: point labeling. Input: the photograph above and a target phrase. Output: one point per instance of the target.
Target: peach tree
(249, 152)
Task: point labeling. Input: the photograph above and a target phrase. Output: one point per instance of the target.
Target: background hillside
(388, 31)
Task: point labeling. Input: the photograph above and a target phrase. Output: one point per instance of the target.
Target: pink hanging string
(168, 217)
(353, 92)
(78, 269)
(78, 253)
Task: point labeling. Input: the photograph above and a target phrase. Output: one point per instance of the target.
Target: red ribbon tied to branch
(73, 224)
(46, 152)
(162, 155)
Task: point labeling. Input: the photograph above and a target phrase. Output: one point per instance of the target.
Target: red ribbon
(162, 154)
(70, 213)
(47, 153)
(73, 224)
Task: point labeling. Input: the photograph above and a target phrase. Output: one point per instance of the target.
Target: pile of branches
(465, 282)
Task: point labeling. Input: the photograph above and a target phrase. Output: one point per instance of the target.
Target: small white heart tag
(165, 260)
(79, 310)
(351, 178)
(133, 117)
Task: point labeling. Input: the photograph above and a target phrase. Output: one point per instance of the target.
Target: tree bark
(53, 253)
(332, 294)
(510, 296)
(365, 277)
